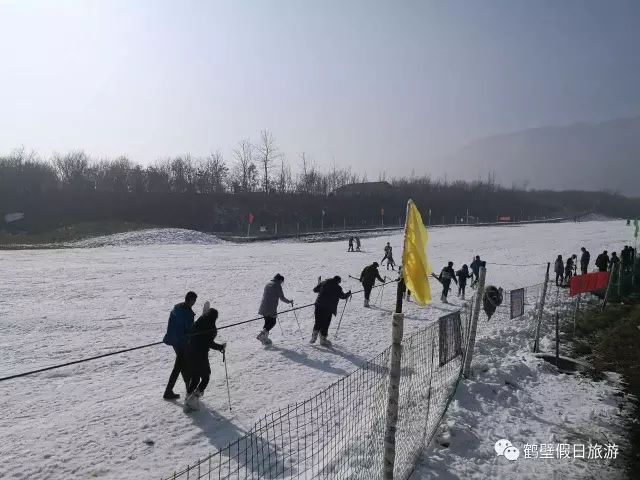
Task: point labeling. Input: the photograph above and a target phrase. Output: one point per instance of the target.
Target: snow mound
(156, 236)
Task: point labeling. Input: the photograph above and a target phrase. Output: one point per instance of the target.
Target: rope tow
(149, 345)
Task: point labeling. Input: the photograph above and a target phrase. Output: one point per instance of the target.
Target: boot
(314, 336)
(191, 402)
(366, 302)
(263, 336)
(324, 341)
(170, 396)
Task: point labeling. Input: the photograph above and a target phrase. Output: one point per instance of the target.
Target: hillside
(583, 156)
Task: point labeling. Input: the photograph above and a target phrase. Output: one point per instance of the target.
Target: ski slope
(107, 419)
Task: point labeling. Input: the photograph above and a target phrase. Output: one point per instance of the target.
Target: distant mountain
(584, 156)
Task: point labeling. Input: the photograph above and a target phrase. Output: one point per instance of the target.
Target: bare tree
(245, 171)
(73, 169)
(284, 182)
(212, 174)
(267, 154)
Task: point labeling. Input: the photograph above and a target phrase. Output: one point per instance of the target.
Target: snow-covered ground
(107, 419)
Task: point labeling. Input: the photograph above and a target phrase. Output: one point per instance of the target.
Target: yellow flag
(415, 267)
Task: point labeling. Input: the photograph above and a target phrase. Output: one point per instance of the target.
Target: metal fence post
(606, 293)
(474, 323)
(536, 342)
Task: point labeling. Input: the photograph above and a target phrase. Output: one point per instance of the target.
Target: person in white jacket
(269, 306)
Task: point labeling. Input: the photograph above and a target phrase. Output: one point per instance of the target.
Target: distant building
(364, 189)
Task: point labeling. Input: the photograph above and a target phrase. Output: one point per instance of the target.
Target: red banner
(251, 217)
(504, 219)
(589, 282)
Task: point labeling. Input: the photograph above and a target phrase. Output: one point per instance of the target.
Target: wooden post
(249, 231)
(276, 229)
(536, 342)
(393, 392)
(474, 323)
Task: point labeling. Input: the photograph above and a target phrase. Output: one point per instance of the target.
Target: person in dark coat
(329, 294)
(615, 260)
(602, 262)
(358, 244)
(180, 321)
(271, 295)
(475, 270)
(463, 274)
(584, 260)
(350, 244)
(368, 280)
(446, 276)
(568, 270)
(559, 269)
(200, 339)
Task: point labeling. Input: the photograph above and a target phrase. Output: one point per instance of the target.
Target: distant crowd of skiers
(357, 242)
(564, 271)
(460, 277)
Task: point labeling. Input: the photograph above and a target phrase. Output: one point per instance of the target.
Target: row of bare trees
(254, 167)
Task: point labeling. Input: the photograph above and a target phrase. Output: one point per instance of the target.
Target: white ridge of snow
(149, 237)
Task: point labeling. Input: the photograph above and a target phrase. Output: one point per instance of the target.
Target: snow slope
(106, 418)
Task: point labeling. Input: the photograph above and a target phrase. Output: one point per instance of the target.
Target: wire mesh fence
(339, 433)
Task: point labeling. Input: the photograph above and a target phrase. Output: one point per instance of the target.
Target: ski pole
(382, 291)
(298, 322)
(342, 315)
(281, 330)
(226, 375)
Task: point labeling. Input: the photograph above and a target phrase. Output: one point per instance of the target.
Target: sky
(379, 86)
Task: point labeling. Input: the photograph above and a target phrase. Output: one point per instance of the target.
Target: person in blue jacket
(180, 321)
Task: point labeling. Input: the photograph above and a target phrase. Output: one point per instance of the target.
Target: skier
(559, 269)
(446, 275)
(584, 260)
(463, 274)
(368, 280)
(475, 270)
(602, 262)
(390, 262)
(269, 306)
(614, 260)
(180, 321)
(388, 252)
(200, 339)
(357, 244)
(326, 305)
(350, 244)
(568, 270)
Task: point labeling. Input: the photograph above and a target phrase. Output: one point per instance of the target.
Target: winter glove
(224, 348)
(291, 303)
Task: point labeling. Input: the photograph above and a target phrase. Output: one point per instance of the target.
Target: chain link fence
(339, 433)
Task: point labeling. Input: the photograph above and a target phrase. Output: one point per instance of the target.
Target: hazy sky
(377, 85)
